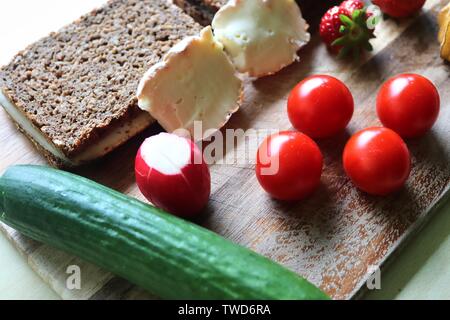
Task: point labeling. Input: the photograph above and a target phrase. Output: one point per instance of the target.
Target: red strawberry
(352, 5)
(399, 8)
(344, 28)
(329, 27)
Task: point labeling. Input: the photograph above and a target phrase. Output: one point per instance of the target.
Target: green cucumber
(168, 256)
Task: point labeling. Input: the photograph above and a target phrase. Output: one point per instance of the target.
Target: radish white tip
(166, 153)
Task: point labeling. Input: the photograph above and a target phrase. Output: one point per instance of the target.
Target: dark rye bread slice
(201, 10)
(78, 85)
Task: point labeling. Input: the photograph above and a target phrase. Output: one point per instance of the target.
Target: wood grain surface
(333, 237)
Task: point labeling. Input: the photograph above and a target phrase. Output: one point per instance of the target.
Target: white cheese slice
(195, 82)
(261, 36)
(109, 141)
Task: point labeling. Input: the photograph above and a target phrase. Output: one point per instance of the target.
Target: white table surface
(421, 271)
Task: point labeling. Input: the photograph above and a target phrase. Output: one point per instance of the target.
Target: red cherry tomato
(377, 160)
(399, 8)
(408, 104)
(289, 165)
(320, 106)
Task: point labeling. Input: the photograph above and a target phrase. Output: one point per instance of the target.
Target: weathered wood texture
(331, 238)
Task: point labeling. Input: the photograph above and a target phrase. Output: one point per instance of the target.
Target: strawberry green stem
(355, 34)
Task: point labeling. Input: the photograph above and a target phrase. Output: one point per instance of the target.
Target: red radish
(172, 174)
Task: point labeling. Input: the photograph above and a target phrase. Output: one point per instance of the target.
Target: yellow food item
(444, 32)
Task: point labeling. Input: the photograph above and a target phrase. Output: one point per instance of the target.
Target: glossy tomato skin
(399, 8)
(289, 165)
(377, 160)
(320, 106)
(408, 104)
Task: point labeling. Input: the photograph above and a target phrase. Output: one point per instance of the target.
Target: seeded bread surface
(80, 82)
(201, 10)
(215, 3)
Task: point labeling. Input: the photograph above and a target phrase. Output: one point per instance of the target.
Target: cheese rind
(194, 82)
(261, 36)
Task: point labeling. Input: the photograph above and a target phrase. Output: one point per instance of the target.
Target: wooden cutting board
(333, 238)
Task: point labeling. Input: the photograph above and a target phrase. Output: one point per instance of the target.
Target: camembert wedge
(261, 36)
(194, 83)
